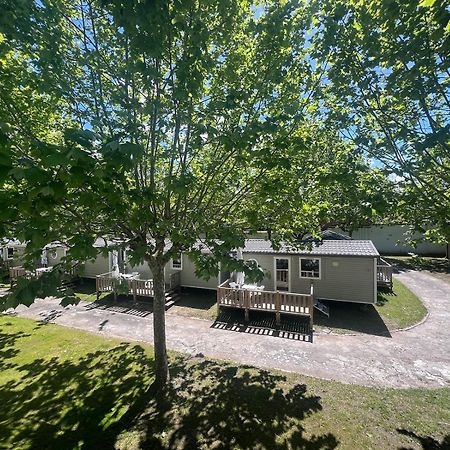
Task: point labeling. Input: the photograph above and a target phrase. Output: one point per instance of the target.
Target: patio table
(44, 269)
(128, 276)
(252, 287)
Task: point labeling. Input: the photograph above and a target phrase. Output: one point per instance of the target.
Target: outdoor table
(128, 276)
(252, 287)
(44, 269)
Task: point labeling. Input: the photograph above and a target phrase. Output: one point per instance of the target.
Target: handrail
(137, 287)
(384, 275)
(274, 301)
(225, 282)
(383, 262)
(105, 275)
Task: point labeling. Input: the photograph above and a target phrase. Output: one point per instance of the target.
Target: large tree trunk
(159, 325)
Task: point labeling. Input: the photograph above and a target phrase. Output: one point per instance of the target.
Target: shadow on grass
(385, 295)
(427, 442)
(217, 405)
(436, 265)
(81, 404)
(353, 317)
(90, 402)
(7, 350)
(202, 299)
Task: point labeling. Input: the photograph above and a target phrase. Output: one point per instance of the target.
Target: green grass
(397, 309)
(200, 303)
(85, 291)
(401, 307)
(437, 267)
(64, 389)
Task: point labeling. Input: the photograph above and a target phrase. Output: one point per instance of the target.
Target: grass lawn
(401, 307)
(437, 267)
(397, 309)
(200, 303)
(63, 389)
(85, 291)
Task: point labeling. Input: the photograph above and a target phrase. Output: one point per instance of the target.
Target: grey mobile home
(343, 270)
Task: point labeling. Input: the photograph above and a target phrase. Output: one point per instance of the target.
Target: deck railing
(15, 273)
(105, 282)
(19, 271)
(143, 288)
(384, 273)
(259, 300)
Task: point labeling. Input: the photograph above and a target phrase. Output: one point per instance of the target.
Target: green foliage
(166, 120)
(388, 75)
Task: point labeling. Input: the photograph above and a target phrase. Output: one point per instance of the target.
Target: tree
(388, 69)
(152, 122)
(329, 181)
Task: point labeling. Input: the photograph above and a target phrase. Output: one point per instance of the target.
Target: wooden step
(169, 304)
(322, 308)
(172, 296)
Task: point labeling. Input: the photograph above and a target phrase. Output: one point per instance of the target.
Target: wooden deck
(105, 282)
(384, 274)
(17, 272)
(272, 301)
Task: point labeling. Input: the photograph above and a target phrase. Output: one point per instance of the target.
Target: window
(177, 262)
(310, 268)
(10, 252)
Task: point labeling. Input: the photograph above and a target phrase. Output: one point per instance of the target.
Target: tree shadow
(353, 317)
(197, 298)
(7, 350)
(67, 404)
(217, 405)
(427, 442)
(436, 265)
(93, 401)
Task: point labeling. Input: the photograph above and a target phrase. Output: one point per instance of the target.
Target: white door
(282, 274)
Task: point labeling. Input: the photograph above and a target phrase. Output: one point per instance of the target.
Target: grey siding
(144, 270)
(342, 278)
(17, 259)
(266, 262)
(98, 266)
(59, 252)
(188, 277)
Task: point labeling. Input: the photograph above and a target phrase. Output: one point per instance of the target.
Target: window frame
(12, 252)
(309, 277)
(181, 263)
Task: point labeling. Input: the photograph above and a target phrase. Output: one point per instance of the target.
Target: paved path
(419, 357)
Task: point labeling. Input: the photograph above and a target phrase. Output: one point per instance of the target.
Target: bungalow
(341, 270)
(182, 267)
(11, 252)
(331, 269)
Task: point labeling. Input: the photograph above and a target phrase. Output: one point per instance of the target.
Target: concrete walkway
(419, 357)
